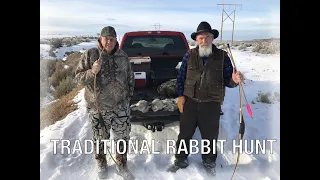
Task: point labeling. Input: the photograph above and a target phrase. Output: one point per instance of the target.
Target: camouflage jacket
(114, 82)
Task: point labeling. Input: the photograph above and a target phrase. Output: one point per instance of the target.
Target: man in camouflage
(114, 89)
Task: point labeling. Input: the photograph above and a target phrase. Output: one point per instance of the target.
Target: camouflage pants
(117, 119)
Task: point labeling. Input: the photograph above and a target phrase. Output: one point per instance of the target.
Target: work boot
(122, 168)
(178, 163)
(210, 167)
(102, 166)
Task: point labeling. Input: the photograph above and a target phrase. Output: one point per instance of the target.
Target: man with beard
(204, 73)
(108, 98)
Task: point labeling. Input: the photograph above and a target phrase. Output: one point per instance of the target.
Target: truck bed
(154, 56)
(150, 94)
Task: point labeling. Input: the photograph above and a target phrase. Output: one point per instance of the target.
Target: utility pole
(157, 25)
(234, 17)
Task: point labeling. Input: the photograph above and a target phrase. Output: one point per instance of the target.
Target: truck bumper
(155, 121)
(159, 116)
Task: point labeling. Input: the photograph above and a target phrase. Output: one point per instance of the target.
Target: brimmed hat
(108, 31)
(205, 27)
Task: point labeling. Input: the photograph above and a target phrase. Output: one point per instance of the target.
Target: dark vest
(204, 82)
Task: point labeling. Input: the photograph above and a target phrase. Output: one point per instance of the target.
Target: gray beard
(205, 51)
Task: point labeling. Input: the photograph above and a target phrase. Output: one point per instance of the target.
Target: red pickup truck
(154, 56)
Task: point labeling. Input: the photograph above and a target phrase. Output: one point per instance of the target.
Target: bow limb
(241, 130)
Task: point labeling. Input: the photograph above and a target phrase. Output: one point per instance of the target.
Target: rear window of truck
(154, 45)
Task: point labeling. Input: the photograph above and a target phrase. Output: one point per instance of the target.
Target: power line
(157, 27)
(228, 16)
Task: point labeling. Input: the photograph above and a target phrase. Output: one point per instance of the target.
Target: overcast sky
(255, 19)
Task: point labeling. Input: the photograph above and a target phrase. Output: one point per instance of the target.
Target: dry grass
(59, 109)
(73, 59)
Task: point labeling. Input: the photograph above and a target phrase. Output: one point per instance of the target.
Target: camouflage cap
(108, 31)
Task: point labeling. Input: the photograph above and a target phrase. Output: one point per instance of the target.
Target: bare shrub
(44, 41)
(67, 42)
(56, 42)
(44, 88)
(263, 97)
(65, 86)
(59, 74)
(51, 53)
(268, 97)
(75, 41)
(47, 68)
(192, 43)
(266, 47)
(242, 47)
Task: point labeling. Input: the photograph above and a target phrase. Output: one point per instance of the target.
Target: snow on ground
(60, 52)
(262, 73)
(44, 51)
(49, 36)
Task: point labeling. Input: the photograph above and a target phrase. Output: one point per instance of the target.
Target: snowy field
(262, 73)
(60, 52)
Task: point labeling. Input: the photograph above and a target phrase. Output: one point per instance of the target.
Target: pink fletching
(249, 109)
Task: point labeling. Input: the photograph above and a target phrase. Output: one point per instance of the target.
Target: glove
(181, 100)
(96, 66)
